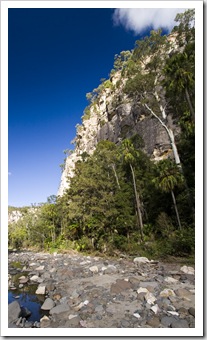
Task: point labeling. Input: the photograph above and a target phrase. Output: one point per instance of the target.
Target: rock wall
(115, 117)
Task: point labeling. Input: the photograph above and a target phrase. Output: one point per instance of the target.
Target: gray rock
(110, 269)
(167, 320)
(12, 325)
(182, 323)
(14, 311)
(45, 275)
(99, 308)
(28, 324)
(150, 285)
(74, 322)
(75, 294)
(125, 324)
(191, 311)
(48, 304)
(60, 308)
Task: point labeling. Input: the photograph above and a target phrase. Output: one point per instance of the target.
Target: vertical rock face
(115, 117)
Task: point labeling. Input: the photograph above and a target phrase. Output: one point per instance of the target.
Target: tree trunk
(170, 135)
(117, 180)
(128, 237)
(190, 104)
(176, 209)
(138, 205)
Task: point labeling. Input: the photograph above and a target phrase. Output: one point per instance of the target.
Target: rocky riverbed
(93, 292)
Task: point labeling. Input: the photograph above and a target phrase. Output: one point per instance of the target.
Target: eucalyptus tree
(186, 26)
(180, 67)
(145, 87)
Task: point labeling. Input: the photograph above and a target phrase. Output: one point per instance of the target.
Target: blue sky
(55, 57)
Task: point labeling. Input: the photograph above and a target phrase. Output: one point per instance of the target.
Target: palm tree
(180, 78)
(168, 178)
(129, 154)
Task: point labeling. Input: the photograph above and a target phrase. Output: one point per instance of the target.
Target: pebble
(86, 291)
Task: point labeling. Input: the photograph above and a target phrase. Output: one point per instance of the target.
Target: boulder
(188, 270)
(14, 311)
(110, 269)
(141, 260)
(191, 311)
(36, 278)
(60, 308)
(168, 320)
(94, 269)
(48, 304)
(40, 290)
(119, 286)
(171, 280)
(179, 324)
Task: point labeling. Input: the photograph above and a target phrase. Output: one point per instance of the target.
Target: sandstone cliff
(114, 116)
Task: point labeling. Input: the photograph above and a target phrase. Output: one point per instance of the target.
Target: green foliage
(87, 113)
(164, 225)
(108, 84)
(169, 176)
(17, 235)
(186, 27)
(121, 60)
(179, 244)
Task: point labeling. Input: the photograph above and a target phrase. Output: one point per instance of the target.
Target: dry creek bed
(93, 292)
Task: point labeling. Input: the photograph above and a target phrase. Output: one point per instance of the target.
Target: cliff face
(115, 117)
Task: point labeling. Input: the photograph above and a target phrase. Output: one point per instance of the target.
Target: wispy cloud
(139, 19)
(9, 173)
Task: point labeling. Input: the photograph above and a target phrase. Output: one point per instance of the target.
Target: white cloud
(139, 19)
